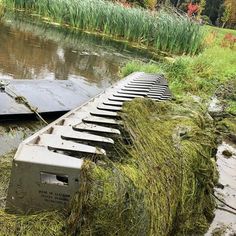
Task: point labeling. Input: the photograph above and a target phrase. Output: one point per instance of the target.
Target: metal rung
(135, 89)
(109, 108)
(160, 90)
(145, 80)
(132, 93)
(100, 120)
(155, 94)
(96, 129)
(127, 95)
(102, 113)
(146, 83)
(57, 143)
(70, 133)
(120, 99)
(148, 78)
(113, 103)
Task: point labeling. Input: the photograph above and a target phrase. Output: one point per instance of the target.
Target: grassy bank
(162, 31)
(201, 75)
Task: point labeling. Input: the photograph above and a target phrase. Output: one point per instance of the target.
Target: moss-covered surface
(162, 186)
(158, 184)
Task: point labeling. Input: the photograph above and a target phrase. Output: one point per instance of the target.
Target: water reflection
(32, 50)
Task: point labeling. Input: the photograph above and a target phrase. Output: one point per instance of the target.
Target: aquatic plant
(160, 185)
(44, 223)
(165, 31)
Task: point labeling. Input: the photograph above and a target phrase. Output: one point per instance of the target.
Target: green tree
(227, 14)
(212, 9)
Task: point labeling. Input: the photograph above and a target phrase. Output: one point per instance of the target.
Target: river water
(224, 222)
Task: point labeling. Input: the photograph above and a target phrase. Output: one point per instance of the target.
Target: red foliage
(228, 41)
(192, 9)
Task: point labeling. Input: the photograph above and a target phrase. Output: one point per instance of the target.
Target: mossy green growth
(227, 125)
(44, 223)
(160, 185)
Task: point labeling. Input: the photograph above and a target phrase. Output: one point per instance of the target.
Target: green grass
(200, 75)
(161, 31)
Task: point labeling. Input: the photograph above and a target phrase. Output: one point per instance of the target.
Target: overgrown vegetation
(168, 32)
(44, 223)
(161, 186)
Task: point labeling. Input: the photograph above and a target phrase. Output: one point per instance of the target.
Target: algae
(163, 185)
(44, 223)
(5, 167)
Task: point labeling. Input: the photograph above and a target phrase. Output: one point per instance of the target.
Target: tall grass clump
(162, 185)
(164, 31)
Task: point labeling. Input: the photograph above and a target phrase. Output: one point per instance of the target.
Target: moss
(232, 107)
(227, 125)
(162, 186)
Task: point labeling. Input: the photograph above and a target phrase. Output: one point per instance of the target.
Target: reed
(163, 31)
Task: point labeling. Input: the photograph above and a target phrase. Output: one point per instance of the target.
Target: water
(32, 50)
(24, 55)
(224, 222)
